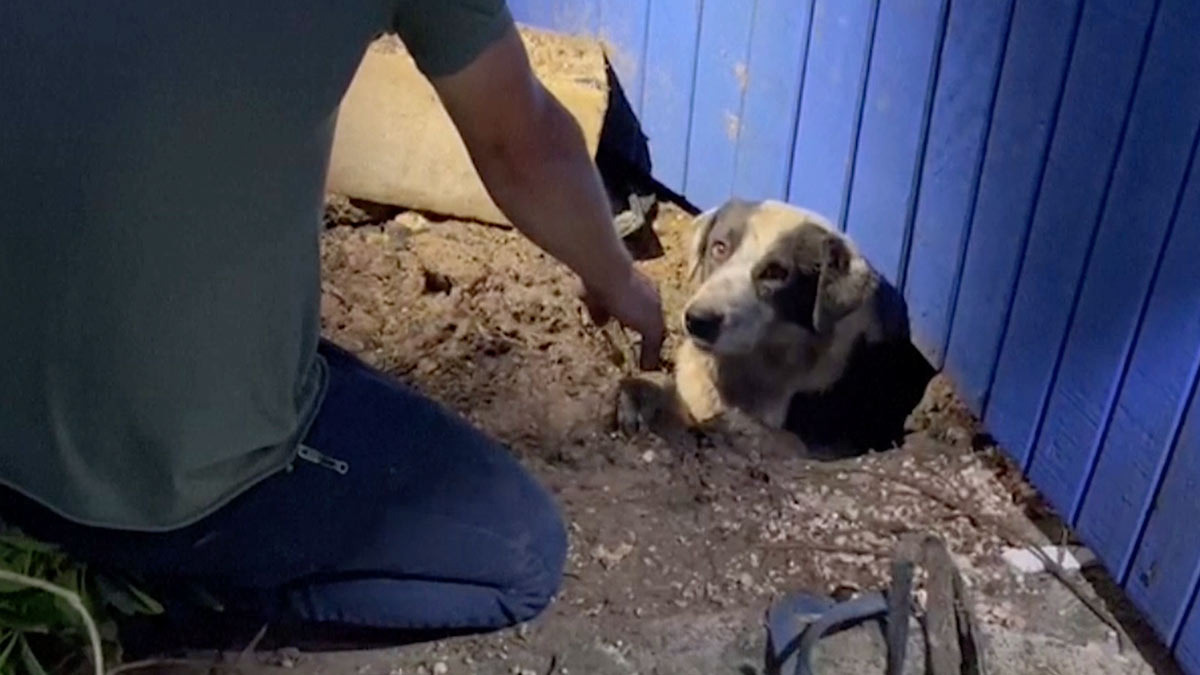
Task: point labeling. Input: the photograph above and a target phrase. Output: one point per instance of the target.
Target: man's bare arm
(532, 158)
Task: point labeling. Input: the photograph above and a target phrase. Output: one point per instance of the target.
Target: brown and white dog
(791, 326)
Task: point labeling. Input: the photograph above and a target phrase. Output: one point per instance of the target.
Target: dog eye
(719, 249)
(773, 272)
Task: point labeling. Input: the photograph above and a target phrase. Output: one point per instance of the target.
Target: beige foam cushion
(395, 143)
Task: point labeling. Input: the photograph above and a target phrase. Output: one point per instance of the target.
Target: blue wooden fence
(1023, 169)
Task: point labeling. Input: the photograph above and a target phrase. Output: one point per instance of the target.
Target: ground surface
(675, 549)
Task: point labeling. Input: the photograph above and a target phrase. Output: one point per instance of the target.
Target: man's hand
(633, 303)
(531, 156)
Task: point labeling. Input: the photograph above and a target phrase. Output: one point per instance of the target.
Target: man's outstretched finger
(651, 356)
(597, 313)
(596, 310)
(652, 353)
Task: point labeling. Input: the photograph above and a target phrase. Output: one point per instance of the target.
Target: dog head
(770, 272)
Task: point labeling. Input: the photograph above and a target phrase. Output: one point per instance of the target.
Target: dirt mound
(481, 320)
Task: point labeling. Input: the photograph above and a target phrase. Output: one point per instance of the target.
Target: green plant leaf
(149, 604)
(19, 561)
(67, 612)
(37, 612)
(30, 660)
(206, 599)
(7, 643)
(20, 542)
(107, 630)
(68, 579)
(15, 561)
(22, 624)
(125, 597)
(110, 593)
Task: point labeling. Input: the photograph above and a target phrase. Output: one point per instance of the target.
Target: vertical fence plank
(1187, 652)
(1023, 121)
(958, 129)
(1162, 578)
(1146, 417)
(670, 76)
(1106, 62)
(768, 120)
(725, 32)
(623, 29)
(1135, 216)
(577, 17)
(537, 13)
(828, 119)
(566, 16)
(520, 10)
(891, 140)
(1138, 214)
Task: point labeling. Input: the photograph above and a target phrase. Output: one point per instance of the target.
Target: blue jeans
(433, 529)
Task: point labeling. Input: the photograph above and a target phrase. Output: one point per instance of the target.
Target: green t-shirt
(163, 166)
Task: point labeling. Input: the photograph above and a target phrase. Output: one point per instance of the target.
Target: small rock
(1070, 559)
(412, 221)
(610, 559)
(957, 435)
(440, 668)
(287, 657)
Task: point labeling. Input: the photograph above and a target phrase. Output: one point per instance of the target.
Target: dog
(791, 326)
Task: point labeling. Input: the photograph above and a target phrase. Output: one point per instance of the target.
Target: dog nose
(702, 325)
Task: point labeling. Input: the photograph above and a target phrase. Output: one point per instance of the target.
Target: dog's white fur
(759, 361)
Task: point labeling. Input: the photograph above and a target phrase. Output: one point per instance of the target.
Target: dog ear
(701, 226)
(844, 284)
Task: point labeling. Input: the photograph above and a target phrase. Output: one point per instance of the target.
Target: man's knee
(538, 579)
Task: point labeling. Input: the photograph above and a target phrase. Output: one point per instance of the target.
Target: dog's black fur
(867, 408)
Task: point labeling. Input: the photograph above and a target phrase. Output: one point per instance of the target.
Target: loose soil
(479, 319)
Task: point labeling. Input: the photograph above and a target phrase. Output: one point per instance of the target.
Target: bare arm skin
(532, 158)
